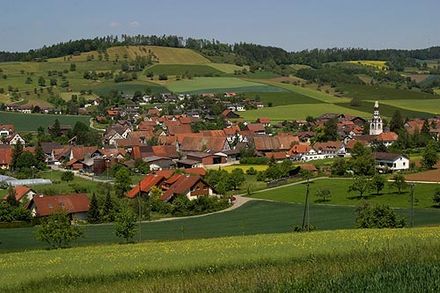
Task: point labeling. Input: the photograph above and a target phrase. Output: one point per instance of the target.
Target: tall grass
(347, 261)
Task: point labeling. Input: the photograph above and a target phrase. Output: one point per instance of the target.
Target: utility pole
(306, 209)
(140, 211)
(411, 216)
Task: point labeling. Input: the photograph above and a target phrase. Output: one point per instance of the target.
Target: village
(175, 156)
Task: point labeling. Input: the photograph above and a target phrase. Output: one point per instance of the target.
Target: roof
(309, 167)
(196, 171)
(49, 146)
(387, 156)
(388, 136)
(71, 203)
(5, 155)
(20, 192)
(181, 186)
(299, 149)
(179, 129)
(276, 155)
(205, 143)
(145, 184)
(256, 127)
(79, 152)
(169, 151)
(329, 145)
(217, 133)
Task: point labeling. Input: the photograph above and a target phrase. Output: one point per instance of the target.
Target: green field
(406, 260)
(255, 217)
(180, 69)
(387, 110)
(245, 167)
(340, 195)
(367, 92)
(226, 68)
(299, 111)
(374, 63)
(283, 98)
(429, 106)
(31, 122)
(209, 83)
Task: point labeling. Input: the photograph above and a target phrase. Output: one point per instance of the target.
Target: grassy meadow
(31, 122)
(425, 105)
(374, 63)
(299, 111)
(343, 260)
(423, 194)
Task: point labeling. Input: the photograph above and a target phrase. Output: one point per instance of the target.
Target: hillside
(165, 55)
(342, 260)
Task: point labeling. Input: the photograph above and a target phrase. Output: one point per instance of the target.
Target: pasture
(423, 105)
(386, 110)
(283, 98)
(338, 187)
(227, 68)
(31, 122)
(344, 260)
(299, 111)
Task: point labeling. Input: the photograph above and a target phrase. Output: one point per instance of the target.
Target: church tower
(376, 124)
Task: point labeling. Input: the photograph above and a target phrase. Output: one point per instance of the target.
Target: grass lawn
(256, 217)
(298, 111)
(62, 187)
(340, 195)
(245, 167)
(387, 110)
(31, 122)
(226, 68)
(346, 260)
(207, 83)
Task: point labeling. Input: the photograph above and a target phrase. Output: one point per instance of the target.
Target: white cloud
(114, 24)
(134, 23)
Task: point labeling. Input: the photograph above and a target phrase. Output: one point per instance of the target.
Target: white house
(391, 162)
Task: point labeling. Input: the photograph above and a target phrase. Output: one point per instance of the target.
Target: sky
(293, 25)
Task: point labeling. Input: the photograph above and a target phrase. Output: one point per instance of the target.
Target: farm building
(75, 205)
(390, 162)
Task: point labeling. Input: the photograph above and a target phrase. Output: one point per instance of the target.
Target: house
(256, 128)
(22, 193)
(204, 144)
(191, 186)
(75, 205)
(228, 114)
(388, 138)
(264, 120)
(156, 163)
(6, 129)
(386, 162)
(324, 150)
(148, 182)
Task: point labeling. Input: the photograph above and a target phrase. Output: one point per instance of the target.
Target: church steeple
(376, 124)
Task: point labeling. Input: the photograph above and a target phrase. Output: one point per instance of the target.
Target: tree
(72, 67)
(378, 183)
(339, 167)
(11, 199)
(331, 130)
(16, 152)
(436, 197)
(429, 156)
(41, 81)
(236, 178)
(55, 130)
(122, 181)
(377, 217)
(125, 224)
(67, 176)
(361, 185)
(399, 182)
(107, 214)
(93, 214)
(57, 230)
(40, 156)
(397, 122)
(323, 194)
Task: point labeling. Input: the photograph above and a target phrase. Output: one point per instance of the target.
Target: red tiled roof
(276, 155)
(181, 186)
(264, 120)
(218, 133)
(168, 151)
(388, 136)
(179, 129)
(72, 203)
(20, 192)
(5, 156)
(205, 143)
(145, 184)
(299, 149)
(196, 171)
(79, 152)
(231, 131)
(255, 127)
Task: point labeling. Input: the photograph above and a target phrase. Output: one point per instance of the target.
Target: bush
(377, 217)
(67, 176)
(436, 198)
(251, 171)
(254, 160)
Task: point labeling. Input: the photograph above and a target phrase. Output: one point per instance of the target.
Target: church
(376, 124)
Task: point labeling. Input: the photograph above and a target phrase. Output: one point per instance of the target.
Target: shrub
(251, 171)
(67, 176)
(377, 217)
